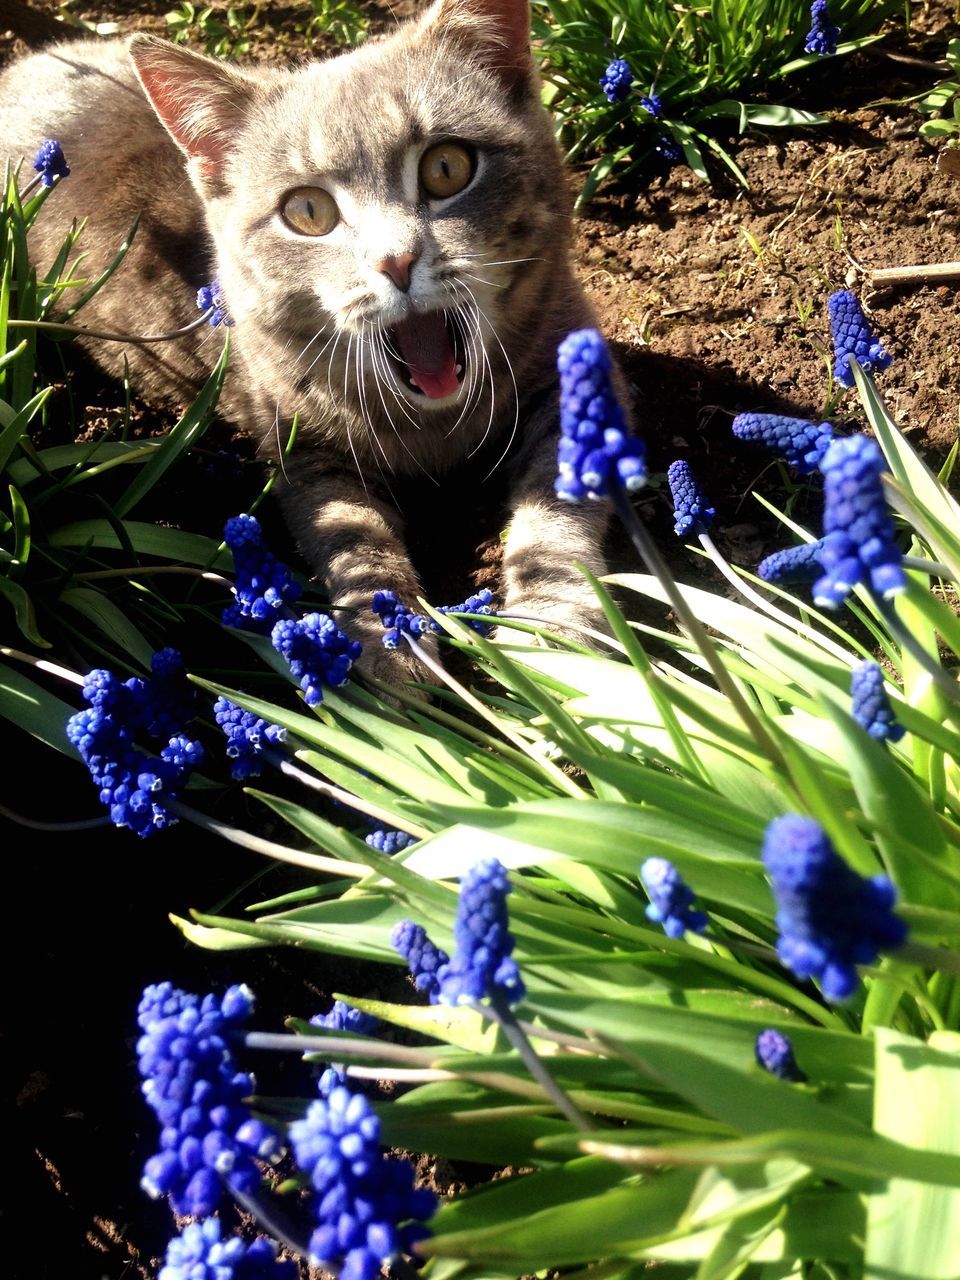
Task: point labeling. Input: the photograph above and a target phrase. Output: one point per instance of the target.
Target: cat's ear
(200, 102)
(497, 32)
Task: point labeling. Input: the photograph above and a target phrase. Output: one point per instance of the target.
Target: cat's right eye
(310, 211)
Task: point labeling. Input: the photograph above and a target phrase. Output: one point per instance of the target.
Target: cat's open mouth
(427, 355)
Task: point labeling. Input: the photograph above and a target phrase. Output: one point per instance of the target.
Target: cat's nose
(398, 267)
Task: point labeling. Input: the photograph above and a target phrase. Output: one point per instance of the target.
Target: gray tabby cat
(390, 229)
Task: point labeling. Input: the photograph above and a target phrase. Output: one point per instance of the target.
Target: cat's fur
(307, 309)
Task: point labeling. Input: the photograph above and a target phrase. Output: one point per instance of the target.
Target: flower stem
(273, 1222)
(502, 1014)
(82, 824)
(947, 685)
(57, 326)
(650, 555)
(280, 852)
(372, 810)
(771, 610)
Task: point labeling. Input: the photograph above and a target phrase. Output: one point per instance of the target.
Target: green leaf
(43, 714)
(146, 539)
(23, 611)
(185, 434)
(912, 1230)
(109, 618)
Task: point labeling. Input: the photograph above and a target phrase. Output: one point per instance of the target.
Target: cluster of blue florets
(652, 104)
(616, 80)
(263, 585)
(247, 736)
(210, 298)
(134, 786)
(774, 1052)
(481, 964)
(199, 1253)
(50, 162)
(830, 919)
(389, 842)
(317, 652)
(793, 564)
(191, 1081)
(367, 1207)
(802, 443)
(691, 513)
(858, 545)
(399, 620)
(852, 336)
(870, 703)
(595, 455)
(342, 1017)
(823, 35)
(671, 899)
(424, 959)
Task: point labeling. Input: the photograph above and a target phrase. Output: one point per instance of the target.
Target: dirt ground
(715, 299)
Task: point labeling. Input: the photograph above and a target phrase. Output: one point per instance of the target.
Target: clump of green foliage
(942, 103)
(698, 58)
(222, 33)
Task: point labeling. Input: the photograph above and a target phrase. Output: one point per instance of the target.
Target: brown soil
(716, 301)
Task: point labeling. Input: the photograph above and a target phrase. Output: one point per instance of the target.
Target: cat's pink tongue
(428, 353)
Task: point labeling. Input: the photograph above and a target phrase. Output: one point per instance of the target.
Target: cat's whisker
(508, 262)
(470, 358)
(392, 384)
(480, 280)
(516, 396)
(374, 353)
(473, 311)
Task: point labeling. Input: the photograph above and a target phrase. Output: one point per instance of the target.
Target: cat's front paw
(569, 607)
(396, 667)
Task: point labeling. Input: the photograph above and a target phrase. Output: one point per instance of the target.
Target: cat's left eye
(311, 211)
(445, 169)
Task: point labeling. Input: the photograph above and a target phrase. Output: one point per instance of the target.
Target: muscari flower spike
(830, 918)
(653, 105)
(852, 336)
(317, 652)
(671, 899)
(191, 1081)
(691, 514)
(774, 1052)
(201, 1253)
(595, 455)
(858, 545)
(389, 842)
(247, 735)
(263, 585)
(50, 163)
(133, 786)
(616, 80)
(399, 620)
(481, 964)
(368, 1209)
(423, 958)
(793, 564)
(870, 704)
(210, 298)
(668, 149)
(802, 443)
(823, 35)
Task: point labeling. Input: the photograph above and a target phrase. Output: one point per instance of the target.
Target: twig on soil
(914, 275)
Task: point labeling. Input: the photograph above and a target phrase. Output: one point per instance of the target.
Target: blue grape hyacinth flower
(858, 545)
(668, 148)
(399, 620)
(210, 298)
(793, 564)
(671, 899)
(263, 585)
(389, 842)
(247, 735)
(200, 1252)
(823, 35)
(691, 514)
(424, 959)
(482, 964)
(802, 443)
(317, 652)
(652, 104)
(50, 162)
(830, 918)
(192, 1083)
(852, 336)
(343, 1017)
(132, 785)
(361, 1197)
(774, 1052)
(870, 703)
(595, 454)
(616, 80)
